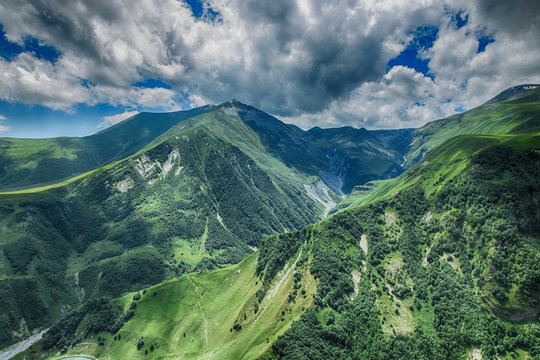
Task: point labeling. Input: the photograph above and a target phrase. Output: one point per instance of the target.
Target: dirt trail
(203, 238)
(205, 321)
(273, 291)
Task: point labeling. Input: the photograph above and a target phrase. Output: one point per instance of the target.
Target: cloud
(311, 62)
(115, 119)
(29, 80)
(3, 128)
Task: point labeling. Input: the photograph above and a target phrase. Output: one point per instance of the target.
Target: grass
(204, 307)
(399, 317)
(39, 162)
(491, 119)
(439, 166)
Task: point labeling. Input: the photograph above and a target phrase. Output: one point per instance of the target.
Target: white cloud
(30, 80)
(312, 62)
(115, 119)
(3, 128)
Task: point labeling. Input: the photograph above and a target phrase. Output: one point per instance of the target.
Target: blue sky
(71, 71)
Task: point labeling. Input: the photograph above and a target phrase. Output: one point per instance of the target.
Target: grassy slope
(213, 194)
(332, 255)
(445, 162)
(436, 233)
(204, 307)
(33, 162)
(234, 130)
(519, 114)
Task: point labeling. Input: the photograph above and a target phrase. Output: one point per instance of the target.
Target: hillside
(439, 262)
(359, 155)
(199, 195)
(340, 159)
(442, 265)
(29, 163)
(514, 110)
(193, 202)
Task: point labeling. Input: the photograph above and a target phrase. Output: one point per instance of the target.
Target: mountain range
(222, 232)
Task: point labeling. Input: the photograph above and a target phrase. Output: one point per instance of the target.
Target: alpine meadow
(385, 204)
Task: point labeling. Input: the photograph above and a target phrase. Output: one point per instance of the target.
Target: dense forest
(444, 273)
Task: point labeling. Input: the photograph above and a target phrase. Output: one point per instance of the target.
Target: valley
(224, 233)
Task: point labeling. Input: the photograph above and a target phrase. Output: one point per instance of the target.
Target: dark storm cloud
(67, 23)
(513, 17)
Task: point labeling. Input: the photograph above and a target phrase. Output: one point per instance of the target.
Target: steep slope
(359, 155)
(196, 197)
(452, 261)
(443, 264)
(346, 161)
(30, 162)
(515, 110)
(514, 93)
(190, 203)
(341, 158)
(214, 315)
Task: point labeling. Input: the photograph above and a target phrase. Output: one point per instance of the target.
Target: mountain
(29, 163)
(358, 156)
(342, 163)
(443, 266)
(190, 203)
(514, 110)
(439, 262)
(197, 191)
(514, 92)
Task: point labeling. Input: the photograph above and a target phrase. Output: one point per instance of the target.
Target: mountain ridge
(211, 188)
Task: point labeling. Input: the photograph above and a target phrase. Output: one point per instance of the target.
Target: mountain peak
(231, 103)
(512, 92)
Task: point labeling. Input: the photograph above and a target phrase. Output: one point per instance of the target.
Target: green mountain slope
(443, 265)
(515, 110)
(441, 262)
(340, 158)
(358, 155)
(30, 162)
(190, 203)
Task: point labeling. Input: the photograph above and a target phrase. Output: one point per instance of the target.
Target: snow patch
(428, 217)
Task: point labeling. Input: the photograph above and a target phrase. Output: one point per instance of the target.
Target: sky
(74, 67)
